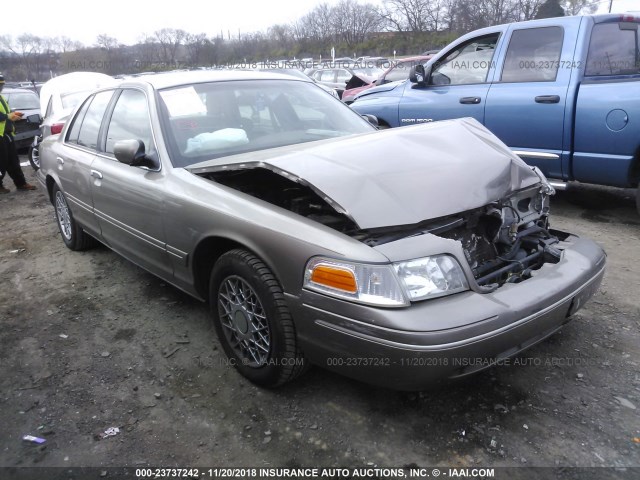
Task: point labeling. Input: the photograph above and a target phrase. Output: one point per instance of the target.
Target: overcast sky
(126, 20)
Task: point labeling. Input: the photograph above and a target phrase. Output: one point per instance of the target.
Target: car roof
(173, 79)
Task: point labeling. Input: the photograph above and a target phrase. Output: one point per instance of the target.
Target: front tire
(72, 234)
(253, 322)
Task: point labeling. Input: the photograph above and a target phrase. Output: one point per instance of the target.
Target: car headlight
(431, 277)
(386, 285)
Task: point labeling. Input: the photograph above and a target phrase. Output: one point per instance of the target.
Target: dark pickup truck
(563, 93)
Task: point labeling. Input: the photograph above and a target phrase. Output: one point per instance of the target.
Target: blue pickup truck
(563, 93)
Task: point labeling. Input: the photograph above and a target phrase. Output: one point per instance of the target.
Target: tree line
(397, 27)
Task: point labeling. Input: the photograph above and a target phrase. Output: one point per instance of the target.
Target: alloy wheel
(63, 216)
(244, 321)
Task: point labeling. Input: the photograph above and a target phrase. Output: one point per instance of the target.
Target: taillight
(56, 128)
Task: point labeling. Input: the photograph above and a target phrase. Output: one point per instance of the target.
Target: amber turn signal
(334, 277)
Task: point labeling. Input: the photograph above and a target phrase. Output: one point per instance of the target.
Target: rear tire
(72, 234)
(34, 157)
(253, 322)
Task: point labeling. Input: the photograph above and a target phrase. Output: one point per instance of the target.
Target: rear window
(614, 50)
(23, 100)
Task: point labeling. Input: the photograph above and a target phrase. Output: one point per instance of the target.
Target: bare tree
(65, 44)
(317, 25)
(169, 39)
(408, 15)
(106, 42)
(195, 46)
(281, 34)
(147, 53)
(526, 9)
(577, 7)
(30, 48)
(6, 41)
(354, 21)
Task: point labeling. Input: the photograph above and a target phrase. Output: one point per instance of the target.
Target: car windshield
(23, 101)
(211, 120)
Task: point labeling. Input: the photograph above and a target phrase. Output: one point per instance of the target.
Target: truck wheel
(638, 198)
(252, 320)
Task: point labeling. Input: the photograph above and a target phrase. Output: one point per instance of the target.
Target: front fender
(382, 101)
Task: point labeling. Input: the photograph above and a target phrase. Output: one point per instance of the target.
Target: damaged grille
(500, 250)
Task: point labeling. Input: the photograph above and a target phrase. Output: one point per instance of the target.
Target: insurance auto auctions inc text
(347, 473)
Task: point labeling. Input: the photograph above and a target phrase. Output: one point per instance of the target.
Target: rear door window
(72, 136)
(533, 55)
(614, 49)
(88, 136)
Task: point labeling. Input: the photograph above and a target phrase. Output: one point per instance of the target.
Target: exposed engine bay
(503, 241)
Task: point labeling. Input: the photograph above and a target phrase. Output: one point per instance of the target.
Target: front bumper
(458, 335)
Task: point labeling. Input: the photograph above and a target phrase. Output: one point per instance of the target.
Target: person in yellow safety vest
(9, 162)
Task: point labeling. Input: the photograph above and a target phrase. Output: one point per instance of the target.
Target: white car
(58, 97)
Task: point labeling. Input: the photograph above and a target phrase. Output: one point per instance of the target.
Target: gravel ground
(90, 341)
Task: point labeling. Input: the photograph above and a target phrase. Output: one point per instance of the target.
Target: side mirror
(418, 75)
(132, 152)
(372, 119)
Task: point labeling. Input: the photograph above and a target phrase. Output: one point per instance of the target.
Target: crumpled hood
(405, 175)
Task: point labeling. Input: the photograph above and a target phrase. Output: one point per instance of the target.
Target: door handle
(96, 174)
(548, 99)
(60, 160)
(470, 100)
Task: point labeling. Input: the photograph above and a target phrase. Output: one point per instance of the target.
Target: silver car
(396, 257)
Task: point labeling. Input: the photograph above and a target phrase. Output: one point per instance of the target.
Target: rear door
(527, 100)
(607, 124)
(74, 160)
(457, 87)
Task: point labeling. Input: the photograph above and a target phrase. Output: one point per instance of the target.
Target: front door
(128, 200)
(457, 86)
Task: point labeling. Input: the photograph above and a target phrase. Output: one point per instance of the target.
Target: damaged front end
(503, 241)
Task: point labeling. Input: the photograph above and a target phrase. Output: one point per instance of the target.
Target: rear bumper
(25, 138)
(369, 344)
